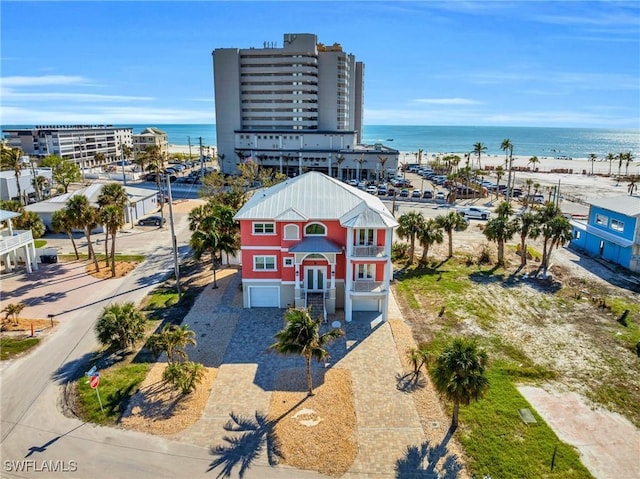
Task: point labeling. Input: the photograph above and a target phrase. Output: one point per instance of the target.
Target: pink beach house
(313, 240)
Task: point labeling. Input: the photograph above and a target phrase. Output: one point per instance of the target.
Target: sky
(477, 63)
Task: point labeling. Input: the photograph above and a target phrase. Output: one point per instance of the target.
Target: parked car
(372, 189)
(404, 193)
(352, 182)
(440, 196)
(427, 194)
(416, 194)
(475, 213)
(152, 221)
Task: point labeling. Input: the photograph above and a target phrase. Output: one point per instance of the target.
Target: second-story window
(264, 228)
(315, 229)
(601, 219)
(364, 237)
(617, 225)
(291, 232)
(365, 271)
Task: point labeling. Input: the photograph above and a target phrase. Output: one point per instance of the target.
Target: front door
(315, 277)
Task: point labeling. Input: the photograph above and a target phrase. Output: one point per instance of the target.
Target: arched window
(315, 229)
(291, 232)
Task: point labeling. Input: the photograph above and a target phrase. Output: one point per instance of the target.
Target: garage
(365, 304)
(264, 297)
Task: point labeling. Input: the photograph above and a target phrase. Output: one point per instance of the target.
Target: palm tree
(478, 149)
(449, 222)
(610, 158)
(620, 157)
(592, 158)
(120, 326)
(534, 160)
(499, 175)
(555, 230)
(13, 310)
(221, 157)
(430, 233)
(501, 228)
(628, 158)
(301, 335)
(410, 224)
(529, 183)
(459, 374)
(339, 160)
(382, 160)
(11, 159)
(85, 217)
(61, 222)
(113, 201)
(360, 161)
(172, 340)
(99, 158)
(507, 147)
(420, 151)
(528, 228)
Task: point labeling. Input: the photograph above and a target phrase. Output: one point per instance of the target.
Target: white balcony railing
(11, 242)
(367, 286)
(369, 251)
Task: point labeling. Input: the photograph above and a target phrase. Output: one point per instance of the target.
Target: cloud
(8, 95)
(448, 101)
(24, 81)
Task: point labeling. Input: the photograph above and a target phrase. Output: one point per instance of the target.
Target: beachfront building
(314, 240)
(9, 183)
(151, 137)
(612, 231)
(79, 143)
(295, 108)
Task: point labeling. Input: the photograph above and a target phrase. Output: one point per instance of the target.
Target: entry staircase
(316, 301)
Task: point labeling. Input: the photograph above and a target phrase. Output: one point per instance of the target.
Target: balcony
(368, 251)
(12, 242)
(368, 286)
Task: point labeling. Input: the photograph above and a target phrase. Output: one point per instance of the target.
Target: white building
(296, 108)
(9, 183)
(79, 143)
(142, 202)
(16, 244)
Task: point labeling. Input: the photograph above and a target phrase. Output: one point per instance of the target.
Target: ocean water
(527, 141)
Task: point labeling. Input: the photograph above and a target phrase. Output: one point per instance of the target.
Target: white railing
(367, 286)
(369, 251)
(11, 242)
(324, 307)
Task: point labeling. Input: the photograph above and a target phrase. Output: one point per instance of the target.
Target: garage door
(365, 304)
(264, 297)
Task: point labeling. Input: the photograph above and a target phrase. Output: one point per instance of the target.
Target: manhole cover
(434, 425)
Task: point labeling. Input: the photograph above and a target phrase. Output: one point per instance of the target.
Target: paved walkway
(235, 340)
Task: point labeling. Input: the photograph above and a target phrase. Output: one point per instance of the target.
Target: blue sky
(544, 63)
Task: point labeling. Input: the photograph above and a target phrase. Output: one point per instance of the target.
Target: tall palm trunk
(106, 246)
(92, 253)
(500, 252)
(73, 242)
(307, 358)
(523, 251)
(450, 234)
(425, 253)
(454, 418)
(113, 253)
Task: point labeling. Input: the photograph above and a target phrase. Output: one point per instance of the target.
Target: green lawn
(117, 385)
(500, 444)
(10, 347)
(119, 257)
(40, 243)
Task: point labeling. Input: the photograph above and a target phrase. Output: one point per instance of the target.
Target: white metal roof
(6, 215)
(626, 205)
(316, 196)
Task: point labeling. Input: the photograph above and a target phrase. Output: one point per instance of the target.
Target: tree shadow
(410, 382)
(419, 462)
(72, 370)
(257, 435)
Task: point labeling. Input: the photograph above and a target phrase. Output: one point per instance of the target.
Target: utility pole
(174, 241)
(189, 143)
(201, 159)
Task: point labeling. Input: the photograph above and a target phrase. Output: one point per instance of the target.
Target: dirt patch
(157, 408)
(24, 325)
(316, 432)
(122, 269)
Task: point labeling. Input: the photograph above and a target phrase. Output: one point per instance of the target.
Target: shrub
(184, 376)
(399, 251)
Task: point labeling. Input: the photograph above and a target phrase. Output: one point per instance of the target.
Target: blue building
(612, 231)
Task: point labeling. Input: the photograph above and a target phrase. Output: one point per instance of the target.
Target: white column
(388, 239)
(27, 258)
(348, 277)
(333, 275)
(34, 258)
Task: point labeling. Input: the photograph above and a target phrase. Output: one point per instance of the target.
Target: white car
(372, 189)
(473, 212)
